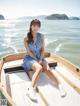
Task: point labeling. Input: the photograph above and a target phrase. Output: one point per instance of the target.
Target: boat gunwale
(20, 55)
(75, 70)
(2, 86)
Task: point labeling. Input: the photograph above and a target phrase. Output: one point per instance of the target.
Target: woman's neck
(34, 35)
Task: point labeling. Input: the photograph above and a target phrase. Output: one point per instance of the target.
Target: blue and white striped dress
(28, 60)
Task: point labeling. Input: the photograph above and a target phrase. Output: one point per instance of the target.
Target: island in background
(52, 17)
(49, 17)
(1, 17)
(60, 17)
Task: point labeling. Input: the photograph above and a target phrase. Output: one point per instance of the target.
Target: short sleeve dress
(28, 60)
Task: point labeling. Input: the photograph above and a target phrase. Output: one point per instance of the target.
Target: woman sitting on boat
(35, 60)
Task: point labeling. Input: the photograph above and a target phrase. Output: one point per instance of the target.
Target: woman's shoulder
(41, 34)
(26, 39)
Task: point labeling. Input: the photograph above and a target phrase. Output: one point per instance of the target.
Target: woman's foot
(62, 91)
(31, 93)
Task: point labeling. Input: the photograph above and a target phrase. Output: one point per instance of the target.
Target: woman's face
(35, 28)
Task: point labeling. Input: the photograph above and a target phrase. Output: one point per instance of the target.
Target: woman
(34, 59)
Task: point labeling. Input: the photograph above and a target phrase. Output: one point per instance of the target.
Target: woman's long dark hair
(29, 34)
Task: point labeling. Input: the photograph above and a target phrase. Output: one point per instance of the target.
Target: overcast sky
(18, 8)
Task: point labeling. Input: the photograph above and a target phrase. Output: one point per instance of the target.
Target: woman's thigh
(36, 66)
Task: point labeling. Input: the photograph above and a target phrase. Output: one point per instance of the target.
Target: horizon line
(37, 15)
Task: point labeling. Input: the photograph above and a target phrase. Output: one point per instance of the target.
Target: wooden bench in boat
(13, 67)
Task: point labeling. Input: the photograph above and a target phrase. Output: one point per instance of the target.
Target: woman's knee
(37, 67)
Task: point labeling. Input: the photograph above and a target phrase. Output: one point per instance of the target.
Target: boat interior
(14, 80)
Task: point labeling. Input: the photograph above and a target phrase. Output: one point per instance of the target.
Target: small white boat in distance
(14, 80)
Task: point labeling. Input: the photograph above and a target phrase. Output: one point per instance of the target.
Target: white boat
(13, 82)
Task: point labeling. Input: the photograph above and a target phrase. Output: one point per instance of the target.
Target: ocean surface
(61, 37)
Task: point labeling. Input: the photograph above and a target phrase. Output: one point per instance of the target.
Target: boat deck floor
(51, 93)
(19, 80)
(18, 83)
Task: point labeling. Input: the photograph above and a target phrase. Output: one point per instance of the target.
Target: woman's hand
(40, 62)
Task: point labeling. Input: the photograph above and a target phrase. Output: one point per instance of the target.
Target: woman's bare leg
(54, 79)
(51, 75)
(31, 87)
(38, 69)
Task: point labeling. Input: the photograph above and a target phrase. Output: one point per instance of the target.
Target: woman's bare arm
(28, 50)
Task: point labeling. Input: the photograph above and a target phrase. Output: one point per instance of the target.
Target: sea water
(61, 37)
